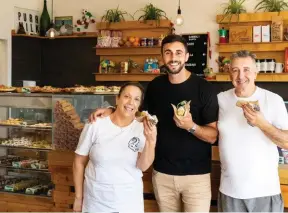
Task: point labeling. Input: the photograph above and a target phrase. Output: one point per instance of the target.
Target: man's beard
(174, 72)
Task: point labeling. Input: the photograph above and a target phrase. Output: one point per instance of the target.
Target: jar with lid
(143, 42)
(270, 65)
(150, 42)
(263, 65)
(258, 65)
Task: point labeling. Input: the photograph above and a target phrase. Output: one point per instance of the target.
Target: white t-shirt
(249, 159)
(113, 151)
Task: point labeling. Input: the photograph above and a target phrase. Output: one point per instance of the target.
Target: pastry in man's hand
(182, 108)
(254, 104)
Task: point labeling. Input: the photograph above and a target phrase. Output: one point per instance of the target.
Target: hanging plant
(115, 15)
(271, 5)
(151, 13)
(233, 7)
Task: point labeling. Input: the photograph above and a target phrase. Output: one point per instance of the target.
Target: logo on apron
(134, 144)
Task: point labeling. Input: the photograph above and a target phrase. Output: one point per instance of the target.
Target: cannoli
(182, 108)
(254, 104)
(151, 118)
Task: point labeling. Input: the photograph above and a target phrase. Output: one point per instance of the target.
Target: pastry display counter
(32, 126)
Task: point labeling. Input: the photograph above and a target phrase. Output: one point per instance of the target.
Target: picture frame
(29, 18)
(62, 20)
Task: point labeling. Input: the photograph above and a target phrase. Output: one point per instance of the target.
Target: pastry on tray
(23, 89)
(4, 88)
(12, 121)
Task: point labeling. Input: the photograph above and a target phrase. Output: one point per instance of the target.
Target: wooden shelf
(75, 35)
(251, 17)
(57, 37)
(261, 77)
(128, 51)
(125, 77)
(254, 47)
(132, 25)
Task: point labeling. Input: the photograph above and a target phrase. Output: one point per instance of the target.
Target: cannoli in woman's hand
(182, 108)
(254, 104)
(144, 114)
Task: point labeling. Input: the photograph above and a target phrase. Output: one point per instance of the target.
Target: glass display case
(31, 125)
(70, 113)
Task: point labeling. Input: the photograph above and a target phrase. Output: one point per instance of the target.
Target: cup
(279, 67)
(285, 155)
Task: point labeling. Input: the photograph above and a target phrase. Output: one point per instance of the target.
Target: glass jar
(263, 65)
(143, 42)
(270, 65)
(150, 42)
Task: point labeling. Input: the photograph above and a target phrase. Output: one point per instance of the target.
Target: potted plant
(115, 15)
(271, 5)
(150, 12)
(233, 7)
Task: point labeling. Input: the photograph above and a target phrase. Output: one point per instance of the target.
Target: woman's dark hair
(174, 38)
(135, 84)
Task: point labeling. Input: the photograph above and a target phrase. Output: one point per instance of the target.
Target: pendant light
(179, 19)
(51, 33)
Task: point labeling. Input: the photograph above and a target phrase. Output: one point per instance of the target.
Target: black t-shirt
(179, 152)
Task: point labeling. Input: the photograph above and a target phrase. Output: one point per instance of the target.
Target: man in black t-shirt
(182, 165)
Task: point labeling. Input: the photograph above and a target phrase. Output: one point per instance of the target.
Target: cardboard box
(265, 33)
(240, 34)
(277, 28)
(256, 34)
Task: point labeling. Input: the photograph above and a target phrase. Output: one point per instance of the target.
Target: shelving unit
(263, 50)
(261, 77)
(127, 51)
(139, 29)
(75, 35)
(125, 77)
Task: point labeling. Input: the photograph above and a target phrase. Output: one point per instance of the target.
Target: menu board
(198, 52)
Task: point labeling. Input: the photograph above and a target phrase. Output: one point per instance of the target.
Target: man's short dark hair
(174, 38)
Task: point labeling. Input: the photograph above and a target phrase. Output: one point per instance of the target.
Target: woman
(118, 149)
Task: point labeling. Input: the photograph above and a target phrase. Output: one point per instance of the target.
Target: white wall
(199, 15)
(6, 25)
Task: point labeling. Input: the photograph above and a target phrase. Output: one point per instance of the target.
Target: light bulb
(179, 20)
(51, 33)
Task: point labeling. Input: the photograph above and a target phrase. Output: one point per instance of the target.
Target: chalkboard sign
(198, 52)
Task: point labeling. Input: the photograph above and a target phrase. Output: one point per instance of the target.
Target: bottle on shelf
(44, 20)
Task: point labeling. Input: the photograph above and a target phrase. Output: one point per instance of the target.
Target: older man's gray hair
(243, 54)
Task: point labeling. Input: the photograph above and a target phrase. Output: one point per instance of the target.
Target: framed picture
(29, 18)
(63, 20)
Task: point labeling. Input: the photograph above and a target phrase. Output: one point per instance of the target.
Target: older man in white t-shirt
(252, 123)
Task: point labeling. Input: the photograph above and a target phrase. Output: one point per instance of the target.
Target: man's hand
(254, 118)
(101, 112)
(184, 122)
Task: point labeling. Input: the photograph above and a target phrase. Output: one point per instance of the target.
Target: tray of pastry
(24, 142)
(25, 186)
(18, 122)
(4, 88)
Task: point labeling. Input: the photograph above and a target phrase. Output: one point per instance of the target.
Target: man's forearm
(206, 133)
(278, 136)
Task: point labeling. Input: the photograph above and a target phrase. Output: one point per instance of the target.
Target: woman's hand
(77, 206)
(150, 132)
